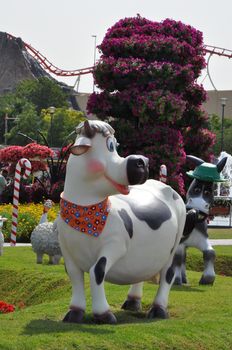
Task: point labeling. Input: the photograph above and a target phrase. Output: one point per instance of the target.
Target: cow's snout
(137, 169)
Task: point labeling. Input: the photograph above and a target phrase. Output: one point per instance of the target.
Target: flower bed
(28, 218)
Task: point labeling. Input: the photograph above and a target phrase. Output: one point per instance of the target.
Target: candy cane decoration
(163, 173)
(22, 163)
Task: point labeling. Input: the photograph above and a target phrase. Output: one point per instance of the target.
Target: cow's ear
(81, 146)
(79, 150)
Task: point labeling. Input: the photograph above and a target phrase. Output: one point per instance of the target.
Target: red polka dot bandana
(86, 219)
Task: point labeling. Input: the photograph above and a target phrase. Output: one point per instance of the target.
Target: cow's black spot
(127, 221)
(202, 227)
(99, 270)
(175, 196)
(169, 275)
(209, 255)
(178, 260)
(154, 213)
(191, 219)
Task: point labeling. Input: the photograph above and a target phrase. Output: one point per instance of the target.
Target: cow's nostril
(137, 169)
(140, 163)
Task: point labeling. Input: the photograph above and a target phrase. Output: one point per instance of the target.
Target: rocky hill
(16, 63)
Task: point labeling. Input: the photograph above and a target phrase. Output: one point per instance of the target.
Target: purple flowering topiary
(147, 76)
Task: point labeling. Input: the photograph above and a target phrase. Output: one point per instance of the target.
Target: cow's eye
(110, 144)
(207, 192)
(197, 190)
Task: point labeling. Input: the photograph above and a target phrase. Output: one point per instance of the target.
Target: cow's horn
(221, 164)
(197, 161)
(89, 132)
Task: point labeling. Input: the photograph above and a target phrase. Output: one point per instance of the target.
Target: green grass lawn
(220, 233)
(200, 316)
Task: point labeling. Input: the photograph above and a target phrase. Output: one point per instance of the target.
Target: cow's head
(200, 194)
(94, 158)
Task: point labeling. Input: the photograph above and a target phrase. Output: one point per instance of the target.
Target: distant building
(213, 105)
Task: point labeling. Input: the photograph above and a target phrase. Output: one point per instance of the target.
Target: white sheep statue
(44, 238)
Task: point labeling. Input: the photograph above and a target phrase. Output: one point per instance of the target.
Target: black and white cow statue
(199, 198)
(116, 225)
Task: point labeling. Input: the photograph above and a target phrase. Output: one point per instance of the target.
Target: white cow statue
(115, 225)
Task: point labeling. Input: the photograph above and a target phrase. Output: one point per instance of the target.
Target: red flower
(11, 154)
(6, 308)
(33, 150)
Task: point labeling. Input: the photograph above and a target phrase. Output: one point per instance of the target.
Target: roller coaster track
(48, 66)
(214, 50)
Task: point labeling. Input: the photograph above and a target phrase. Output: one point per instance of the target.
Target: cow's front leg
(133, 301)
(108, 256)
(159, 306)
(78, 303)
(208, 276)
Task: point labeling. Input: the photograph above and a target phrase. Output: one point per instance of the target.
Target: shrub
(147, 75)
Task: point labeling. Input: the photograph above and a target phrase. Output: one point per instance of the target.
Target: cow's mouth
(123, 189)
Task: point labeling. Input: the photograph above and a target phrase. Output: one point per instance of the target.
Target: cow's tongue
(121, 188)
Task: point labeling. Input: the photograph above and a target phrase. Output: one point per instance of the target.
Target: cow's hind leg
(159, 306)
(179, 261)
(108, 256)
(133, 301)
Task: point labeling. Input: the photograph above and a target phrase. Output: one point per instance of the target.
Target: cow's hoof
(74, 316)
(132, 304)
(207, 280)
(157, 312)
(106, 318)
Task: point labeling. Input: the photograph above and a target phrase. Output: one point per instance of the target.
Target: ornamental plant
(146, 77)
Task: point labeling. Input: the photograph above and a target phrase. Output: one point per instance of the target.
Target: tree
(216, 127)
(64, 122)
(43, 93)
(29, 105)
(147, 76)
(28, 122)
(10, 106)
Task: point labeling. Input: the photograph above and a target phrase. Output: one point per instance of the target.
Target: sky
(63, 30)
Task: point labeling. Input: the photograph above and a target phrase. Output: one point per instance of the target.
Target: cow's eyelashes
(110, 144)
